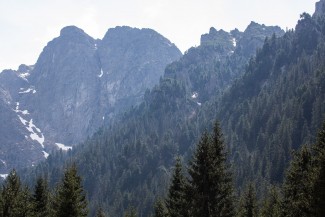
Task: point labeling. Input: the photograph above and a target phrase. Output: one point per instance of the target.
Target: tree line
(68, 199)
(205, 189)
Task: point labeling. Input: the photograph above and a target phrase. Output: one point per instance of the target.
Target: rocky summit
(77, 84)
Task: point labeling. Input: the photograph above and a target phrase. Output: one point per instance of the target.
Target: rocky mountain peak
(215, 37)
(77, 85)
(71, 31)
(319, 8)
(24, 68)
(254, 36)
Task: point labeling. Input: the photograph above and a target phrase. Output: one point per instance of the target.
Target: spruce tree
(41, 198)
(176, 201)
(160, 209)
(222, 188)
(131, 212)
(25, 205)
(298, 185)
(11, 194)
(210, 182)
(272, 204)
(319, 191)
(70, 199)
(319, 185)
(248, 203)
(199, 183)
(100, 213)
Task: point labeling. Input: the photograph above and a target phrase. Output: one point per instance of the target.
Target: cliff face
(320, 8)
(77, 84)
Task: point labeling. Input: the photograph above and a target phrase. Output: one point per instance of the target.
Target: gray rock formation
(77, 84)
(320, 8)
(254, 36)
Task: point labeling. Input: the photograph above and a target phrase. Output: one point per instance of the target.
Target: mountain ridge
(67, 96)
(140, 146)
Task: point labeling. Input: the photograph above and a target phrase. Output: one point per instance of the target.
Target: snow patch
(195, 95)
(24, 75)
(4, 162)
(37, 136)
(63, 147)
(96, 47)
(3, 176)
(46, 155)
(22, 120)
(103, 117)
(31, 89)
(101, 73)
(24, 112)
(199, 103)
(35, 133)
(234, 42)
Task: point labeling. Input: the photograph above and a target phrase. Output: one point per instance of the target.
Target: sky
(26, 26)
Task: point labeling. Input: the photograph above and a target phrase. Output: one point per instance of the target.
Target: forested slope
(275, 107)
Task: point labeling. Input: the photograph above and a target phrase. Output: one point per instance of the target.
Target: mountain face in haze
(133, 156)
(221, 58)
(77, 84)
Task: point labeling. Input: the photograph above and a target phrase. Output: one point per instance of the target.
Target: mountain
(133, 155)
(76, 86)
(278, 105)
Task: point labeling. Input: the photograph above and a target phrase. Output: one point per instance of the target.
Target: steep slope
(132, 60)
(279, 103)
(19, 141)
(79, 83)
(135, 154)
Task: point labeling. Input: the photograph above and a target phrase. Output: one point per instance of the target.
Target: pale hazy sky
(26, 26)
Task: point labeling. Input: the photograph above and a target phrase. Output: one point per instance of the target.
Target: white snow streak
(35, 132)
(101, 73)
(31, 89)
(195, 95)
(234, 42)
(24, 112)
(24, 75)
(63, 147)
(46, 155)
(3, 176)
(4, 162)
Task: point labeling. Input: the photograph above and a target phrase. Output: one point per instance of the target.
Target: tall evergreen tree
(222, 189)
(272, 204)
(319, 185)
(11, 195)
(41, 198)
(210, 181)
(131, 212)
(100, 213)
(199, 183)
(298, 185)
(160, 209)
(25, 205)
(176, 202)
(319, 191)
(71, 200)
(248, 203)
